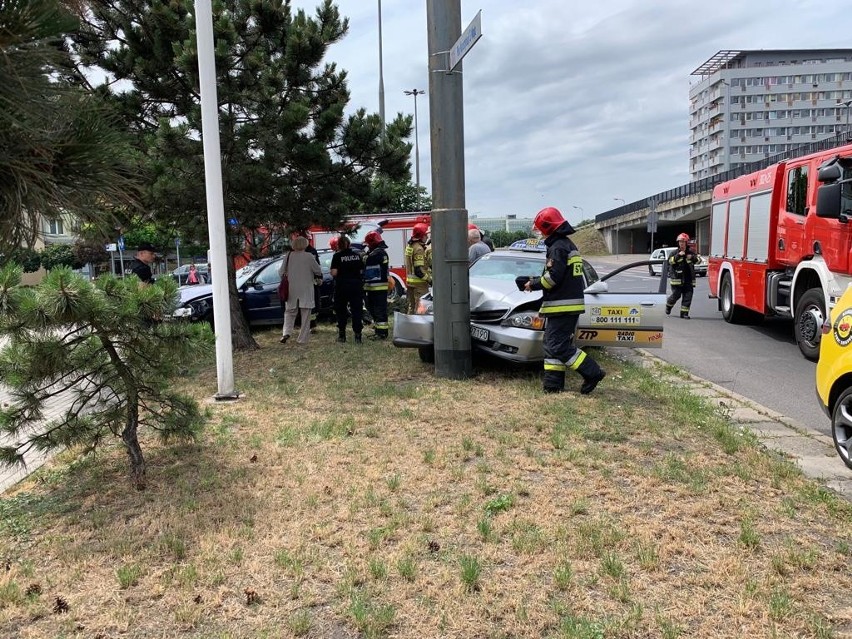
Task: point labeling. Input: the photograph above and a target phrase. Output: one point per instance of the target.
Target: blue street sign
(120, 242)
(233, 221)
(177, 241)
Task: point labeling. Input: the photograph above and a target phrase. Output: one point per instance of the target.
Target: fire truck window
(797, 190)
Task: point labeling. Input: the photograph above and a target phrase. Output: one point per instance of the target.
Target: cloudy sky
(571, 103)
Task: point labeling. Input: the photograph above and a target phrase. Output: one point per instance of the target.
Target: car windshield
(248, 270)
(495, 266)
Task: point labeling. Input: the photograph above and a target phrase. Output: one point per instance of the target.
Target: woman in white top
(301, 269)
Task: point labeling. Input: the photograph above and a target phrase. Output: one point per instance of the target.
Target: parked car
(664, 254)
(182, 272)
(505, 321)
(257, 284)
(834, 375)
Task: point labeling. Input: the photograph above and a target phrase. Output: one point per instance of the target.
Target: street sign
(111, 248)
(653, 218)
(467, 39)
(177, 241)
(120, 242)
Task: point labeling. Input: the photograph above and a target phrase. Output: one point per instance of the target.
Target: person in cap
(562, 285)
(146, 253)
(476, 248)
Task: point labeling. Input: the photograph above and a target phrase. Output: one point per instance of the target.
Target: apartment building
(749, 105)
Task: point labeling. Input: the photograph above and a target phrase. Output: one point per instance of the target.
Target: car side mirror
(596, 287)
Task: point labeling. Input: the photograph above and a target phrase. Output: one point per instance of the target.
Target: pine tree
(60, 150)
(290, 156)
(103, 345)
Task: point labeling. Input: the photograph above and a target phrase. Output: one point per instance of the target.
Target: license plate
(480, 334)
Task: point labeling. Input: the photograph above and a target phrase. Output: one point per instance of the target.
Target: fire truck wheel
(810, 315)
(427, 354)
(732, 313)
(841, 426)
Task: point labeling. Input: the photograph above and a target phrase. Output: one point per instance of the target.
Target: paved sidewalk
(11, 475)
(810, 450)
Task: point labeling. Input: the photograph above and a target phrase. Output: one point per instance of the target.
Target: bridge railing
(707, 184)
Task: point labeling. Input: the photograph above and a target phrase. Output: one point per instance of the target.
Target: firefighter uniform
(418, 275)
(682, 273)
(562, 303)
(376, 287)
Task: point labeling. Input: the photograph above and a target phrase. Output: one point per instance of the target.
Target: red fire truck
(396, 231)
(780, 243)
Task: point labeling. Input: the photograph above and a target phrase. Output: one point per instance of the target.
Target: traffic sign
(111, 248)
(468, 38)
(653, 218)
(120, 242)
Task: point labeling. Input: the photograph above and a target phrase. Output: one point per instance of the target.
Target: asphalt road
(760, 362)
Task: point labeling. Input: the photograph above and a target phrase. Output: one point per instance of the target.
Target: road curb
(811, 451)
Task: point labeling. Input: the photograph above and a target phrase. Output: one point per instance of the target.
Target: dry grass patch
(353, 494)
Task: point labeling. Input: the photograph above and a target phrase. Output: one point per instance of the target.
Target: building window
(54, 227)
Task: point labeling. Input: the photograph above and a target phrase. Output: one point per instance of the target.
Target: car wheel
(810, 315)
(841, 426)
(427, 354)
(732, 313)
(651, 270)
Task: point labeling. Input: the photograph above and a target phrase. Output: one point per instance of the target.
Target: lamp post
(381, 74)
(582, 212)
(847, 104)
(617, 248)
(415, 93)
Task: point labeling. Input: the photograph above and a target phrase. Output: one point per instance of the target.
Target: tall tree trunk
(241, 337)
(131, 441)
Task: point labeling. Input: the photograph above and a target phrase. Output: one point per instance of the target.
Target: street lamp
(415, 93)
(381, 75)
(582, 212)
(617, 249)
(847, 104)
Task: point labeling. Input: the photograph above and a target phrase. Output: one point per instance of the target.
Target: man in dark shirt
(347, 269)
(141, 265)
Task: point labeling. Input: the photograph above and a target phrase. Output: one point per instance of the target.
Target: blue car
(257, 285)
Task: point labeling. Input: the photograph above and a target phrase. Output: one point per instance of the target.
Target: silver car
(505, 321)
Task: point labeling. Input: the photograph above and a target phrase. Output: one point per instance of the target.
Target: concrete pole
(215, 204)
(449, 216)
(381, 74)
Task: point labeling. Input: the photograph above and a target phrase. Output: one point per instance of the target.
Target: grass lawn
(351, 493)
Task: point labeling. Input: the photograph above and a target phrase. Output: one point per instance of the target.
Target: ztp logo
(586, 334)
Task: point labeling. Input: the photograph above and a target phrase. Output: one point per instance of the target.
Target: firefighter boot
(341, 336)
(554, 381)
(668, 309)
(592, 375)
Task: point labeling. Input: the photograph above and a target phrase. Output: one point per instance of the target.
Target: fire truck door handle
(800, 222)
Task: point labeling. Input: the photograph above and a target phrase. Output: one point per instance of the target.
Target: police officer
(418, 275)
(347, 269)
(141, 264)
(376, 282)
(562, 302)
(682, 273)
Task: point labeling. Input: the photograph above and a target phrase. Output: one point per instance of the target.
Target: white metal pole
(381, 74)
(177, 249)
(215, 204)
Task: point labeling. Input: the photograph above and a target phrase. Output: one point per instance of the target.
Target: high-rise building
(750, 105)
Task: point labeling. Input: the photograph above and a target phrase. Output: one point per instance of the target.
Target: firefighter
(682, 276)
(347, 269)
(562, 303)
(418, 275)
(376, 282)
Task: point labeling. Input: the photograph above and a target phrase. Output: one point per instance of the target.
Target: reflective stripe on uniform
(562, 306)
(675, 282)
(381, 326)
(378, 286)
(555, 365)
(576, 360)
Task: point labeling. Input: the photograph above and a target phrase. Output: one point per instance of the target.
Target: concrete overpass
(684, 209)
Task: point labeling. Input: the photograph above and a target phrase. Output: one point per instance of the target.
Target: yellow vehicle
(834, 375)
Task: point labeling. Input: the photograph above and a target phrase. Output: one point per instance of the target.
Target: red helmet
(373, 238)
(419, 231)
(333, 243)
(683, 236)
(472, 227)
(548, 220)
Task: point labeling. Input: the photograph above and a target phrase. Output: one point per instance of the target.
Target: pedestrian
(418, 275)
(476, 248)
(682, 276)
(300, 268)
(347, 269)
(146, 253)
(317, 281)
(562, 303)
(192, 276)
(376, 283)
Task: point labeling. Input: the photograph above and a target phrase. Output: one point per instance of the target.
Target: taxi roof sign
(530, 244)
